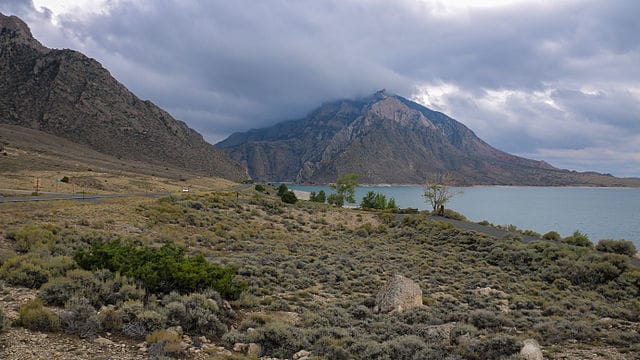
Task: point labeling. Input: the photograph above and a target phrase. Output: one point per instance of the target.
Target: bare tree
(437, 190)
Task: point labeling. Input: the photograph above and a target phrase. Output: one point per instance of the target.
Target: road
(59, 196)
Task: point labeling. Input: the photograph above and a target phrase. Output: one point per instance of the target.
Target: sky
(549, 80)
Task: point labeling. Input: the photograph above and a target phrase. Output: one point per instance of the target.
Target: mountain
(388, 139)
(66, 94)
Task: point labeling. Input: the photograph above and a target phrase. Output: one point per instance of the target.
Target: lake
(601, 213)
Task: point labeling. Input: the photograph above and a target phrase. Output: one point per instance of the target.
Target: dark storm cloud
(534, 78)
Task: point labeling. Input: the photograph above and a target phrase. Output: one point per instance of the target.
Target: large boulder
(398, 295)
(531, 350)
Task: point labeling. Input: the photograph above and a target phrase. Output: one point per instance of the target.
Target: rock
(103, 341)
(302, 355)
(176, 329)
(240, 347)
(531, 350)
(487, 291)
(399, 294)
(254, 349)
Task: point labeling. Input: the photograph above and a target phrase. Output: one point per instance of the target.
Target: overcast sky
(550, 80)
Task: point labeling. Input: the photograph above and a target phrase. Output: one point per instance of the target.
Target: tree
(335, 199)
(289, 197)
(380, 202)
(282, 189)
(369, 200)
(320, 197)
(392, 204)
(345, 187)
(437, 190)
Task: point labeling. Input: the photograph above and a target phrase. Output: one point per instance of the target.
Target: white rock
(531, 350)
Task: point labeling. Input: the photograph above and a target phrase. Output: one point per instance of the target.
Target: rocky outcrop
(388, 139)
(531, 350)
(398, 295)
(64, 93)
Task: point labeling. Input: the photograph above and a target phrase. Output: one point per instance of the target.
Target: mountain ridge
(388, 139)
(67, 94)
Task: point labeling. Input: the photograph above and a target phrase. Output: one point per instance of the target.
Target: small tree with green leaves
(437, 190)
(392, 204)
(320, 197)
(282, 189)
(369, 200)
(345, 187)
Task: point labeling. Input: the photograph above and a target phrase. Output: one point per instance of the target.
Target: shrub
(110, 319)
(260, 188)
(282, 189)
(492, 347)
(164, 342)
(161, 270)
(408, 347)
(289, 197)
(4, 321)
(483, 319)
(151, 320)
(336, 199)
(451, 214)
(279, 339)
(320, 197)
(578, 239)
(392, 204)
(25, 270)
(203, 315)
(552, 235)
(623, 247)
(33, 316)
(31, 236)
(80, 318)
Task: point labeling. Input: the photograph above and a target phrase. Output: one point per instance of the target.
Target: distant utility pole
(37, 185)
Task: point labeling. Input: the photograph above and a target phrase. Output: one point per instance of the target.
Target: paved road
(51, 197)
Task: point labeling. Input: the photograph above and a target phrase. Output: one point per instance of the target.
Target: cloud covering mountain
(552, 81)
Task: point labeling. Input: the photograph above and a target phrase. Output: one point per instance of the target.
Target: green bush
(161, 270)
(279, 339)
(33, 316)
(282, 189)
(320, 197)
(578, 239)
(552, 235)
(289, 197)
(492, 347)
(623, 247)
(260, 188)
(25, 270)
(31, 236)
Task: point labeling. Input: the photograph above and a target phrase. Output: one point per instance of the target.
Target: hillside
(388, 139)
(310, 275)
(66, 94)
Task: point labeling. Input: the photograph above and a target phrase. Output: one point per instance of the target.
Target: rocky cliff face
(389, 139)
(67, 94)
(385, 139)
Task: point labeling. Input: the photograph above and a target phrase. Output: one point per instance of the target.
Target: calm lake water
(601, 213)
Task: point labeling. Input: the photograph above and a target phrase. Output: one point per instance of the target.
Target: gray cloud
(557, 81)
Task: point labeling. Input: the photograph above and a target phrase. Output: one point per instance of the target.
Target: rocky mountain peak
(15, 31)
(386, 139)
(66, 94)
